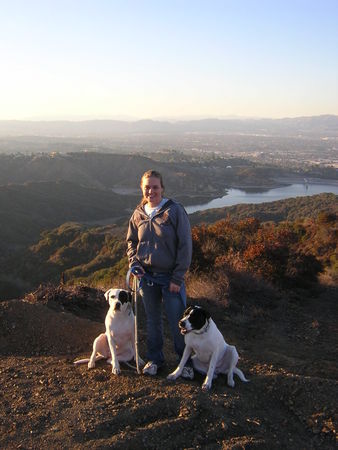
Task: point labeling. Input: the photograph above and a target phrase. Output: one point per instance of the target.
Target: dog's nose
(118, 305)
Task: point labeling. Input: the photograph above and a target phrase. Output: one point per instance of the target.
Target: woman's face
(152, 190)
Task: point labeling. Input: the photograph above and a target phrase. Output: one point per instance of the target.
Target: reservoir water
(238, 196)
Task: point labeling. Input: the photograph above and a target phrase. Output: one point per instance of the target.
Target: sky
(167, 59)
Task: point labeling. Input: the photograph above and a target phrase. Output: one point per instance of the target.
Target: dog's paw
(91, 364)
(206, 386)
(231, 383)
(116, 370)
(172, 376)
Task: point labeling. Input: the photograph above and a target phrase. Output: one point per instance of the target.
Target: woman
(160, 246)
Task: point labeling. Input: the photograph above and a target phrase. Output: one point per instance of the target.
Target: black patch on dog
(197, 316)
(124, 297)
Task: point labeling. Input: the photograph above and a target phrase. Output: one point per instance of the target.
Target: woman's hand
(175, 288)
(138, 271)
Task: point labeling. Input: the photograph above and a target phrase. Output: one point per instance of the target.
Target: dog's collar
(204, 329)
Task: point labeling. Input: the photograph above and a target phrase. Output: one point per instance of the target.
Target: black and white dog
(118, 342)
(211, 354)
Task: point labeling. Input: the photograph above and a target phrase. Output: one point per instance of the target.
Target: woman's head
(152, 187)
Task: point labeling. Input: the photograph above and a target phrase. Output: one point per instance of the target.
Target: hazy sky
(73, 59)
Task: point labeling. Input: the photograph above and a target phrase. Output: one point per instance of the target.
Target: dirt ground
(289, 353)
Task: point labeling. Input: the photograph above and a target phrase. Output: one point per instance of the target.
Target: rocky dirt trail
(289, 353)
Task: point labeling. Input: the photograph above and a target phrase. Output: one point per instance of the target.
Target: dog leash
(134, 290)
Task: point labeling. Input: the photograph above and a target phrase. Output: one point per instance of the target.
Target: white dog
(118, 342)
(211, 354)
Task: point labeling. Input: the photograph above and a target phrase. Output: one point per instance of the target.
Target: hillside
(289, 209)
(287, 345)
(42, 191)
(189, 176)
(95, 255)
(271, 288)
(28, 209)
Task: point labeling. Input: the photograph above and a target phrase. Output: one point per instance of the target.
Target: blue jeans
(155, 293)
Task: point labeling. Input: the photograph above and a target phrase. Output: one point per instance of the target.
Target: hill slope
(188, 176)
(95, 255)
(286, 350)
(289, 209)
(285, 334)
(28, 209)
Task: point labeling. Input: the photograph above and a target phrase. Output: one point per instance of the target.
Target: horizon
(168, 61)
(166, 119)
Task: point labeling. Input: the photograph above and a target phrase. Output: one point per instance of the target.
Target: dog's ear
(106, 294)
(206, 313)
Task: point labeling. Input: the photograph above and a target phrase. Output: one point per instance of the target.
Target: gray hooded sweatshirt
(161, 244)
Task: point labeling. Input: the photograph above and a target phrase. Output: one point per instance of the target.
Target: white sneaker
(150, 369)
(188, 373)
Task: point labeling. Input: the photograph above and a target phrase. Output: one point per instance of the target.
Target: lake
(238, 196)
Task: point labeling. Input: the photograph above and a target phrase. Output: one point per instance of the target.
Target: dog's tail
(81, 361)
(129, 365)
(86, 360)
(240, 374)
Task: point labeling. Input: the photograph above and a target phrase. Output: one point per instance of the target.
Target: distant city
(297, 144)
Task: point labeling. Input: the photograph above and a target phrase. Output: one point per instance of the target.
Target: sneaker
(150, 369)
(188, 373)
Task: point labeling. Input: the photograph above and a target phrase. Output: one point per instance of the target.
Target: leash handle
(136, 286)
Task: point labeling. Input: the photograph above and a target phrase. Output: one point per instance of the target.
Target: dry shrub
(208, 286)
(82, 301)
(230, 262)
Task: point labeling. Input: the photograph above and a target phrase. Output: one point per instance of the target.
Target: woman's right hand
(138, 271)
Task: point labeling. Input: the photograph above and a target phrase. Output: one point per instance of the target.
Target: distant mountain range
(324, 125)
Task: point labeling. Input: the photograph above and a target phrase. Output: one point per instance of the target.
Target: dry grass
(215, 286)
